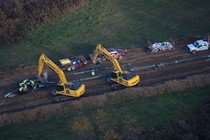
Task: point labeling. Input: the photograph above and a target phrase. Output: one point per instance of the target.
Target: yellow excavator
(124, 78)
(63, 87)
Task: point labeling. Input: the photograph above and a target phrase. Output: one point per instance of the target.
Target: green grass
(111, 119)
(114, 23)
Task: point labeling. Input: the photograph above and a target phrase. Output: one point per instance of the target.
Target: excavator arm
(45, 60)
(100, 49)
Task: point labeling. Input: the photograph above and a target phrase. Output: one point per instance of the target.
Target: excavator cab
(126, 79)
(131, 79)
(75, 89)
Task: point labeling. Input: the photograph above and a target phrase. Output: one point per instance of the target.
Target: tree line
(20, 17)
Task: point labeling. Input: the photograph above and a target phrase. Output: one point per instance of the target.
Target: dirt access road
(137, 57)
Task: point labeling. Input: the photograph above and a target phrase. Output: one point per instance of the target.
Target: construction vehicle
(199, 45)
(63, 87)
(116, 53)
(124, 78)
(67, 64)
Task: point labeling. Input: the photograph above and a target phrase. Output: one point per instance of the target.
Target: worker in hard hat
(20, 89)
(23, 88)
(20, 84)
(32, 84)
(93, 72)
(26, 81)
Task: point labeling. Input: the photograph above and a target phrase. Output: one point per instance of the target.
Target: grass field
(114, 23)
(112, 119)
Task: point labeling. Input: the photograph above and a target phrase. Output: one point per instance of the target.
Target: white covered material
(160, 46)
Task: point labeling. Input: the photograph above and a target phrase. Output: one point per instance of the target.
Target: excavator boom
(44, 59)
(100, 49)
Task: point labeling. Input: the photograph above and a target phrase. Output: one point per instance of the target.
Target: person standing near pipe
(93, 72)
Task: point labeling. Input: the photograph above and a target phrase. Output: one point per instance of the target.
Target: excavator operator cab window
(59, 88)
(119, 74)
(114, 75)
(67, 85)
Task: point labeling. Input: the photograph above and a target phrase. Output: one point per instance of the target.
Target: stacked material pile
(160, 46)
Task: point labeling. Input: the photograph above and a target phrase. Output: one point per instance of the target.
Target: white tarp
(160, 46)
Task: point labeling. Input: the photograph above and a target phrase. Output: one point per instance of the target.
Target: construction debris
(160, 46)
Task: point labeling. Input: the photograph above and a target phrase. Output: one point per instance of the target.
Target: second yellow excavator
(63, 87)
(125, 78)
